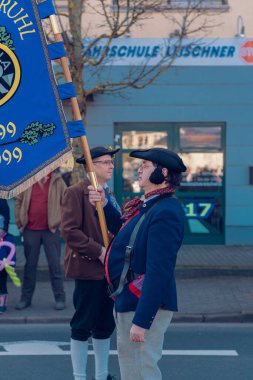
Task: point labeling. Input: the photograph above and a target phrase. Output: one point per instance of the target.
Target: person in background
(4, 251)
(38, 216)
(5, 212)
(80, 228)
(145, 291)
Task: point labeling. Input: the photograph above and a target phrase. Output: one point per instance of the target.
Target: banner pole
(84, 143)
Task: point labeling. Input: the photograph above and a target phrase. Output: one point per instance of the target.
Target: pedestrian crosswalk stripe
(46, 348)
(201, 352)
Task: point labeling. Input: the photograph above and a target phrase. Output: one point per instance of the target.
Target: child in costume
(7, 253)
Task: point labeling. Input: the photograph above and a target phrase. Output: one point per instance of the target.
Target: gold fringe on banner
(7, 194)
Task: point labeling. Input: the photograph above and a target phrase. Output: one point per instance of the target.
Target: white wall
(222, 23)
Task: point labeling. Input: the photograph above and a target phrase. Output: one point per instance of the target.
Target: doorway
(201, 146)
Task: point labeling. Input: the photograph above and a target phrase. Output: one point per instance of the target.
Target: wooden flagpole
(84, 143)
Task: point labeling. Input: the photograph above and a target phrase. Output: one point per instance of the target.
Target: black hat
(161, 156)
(98, 151)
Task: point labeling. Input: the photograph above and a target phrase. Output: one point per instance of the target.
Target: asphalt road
(191, 352)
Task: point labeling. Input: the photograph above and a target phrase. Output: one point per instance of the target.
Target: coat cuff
(94, 252)
(144, 322)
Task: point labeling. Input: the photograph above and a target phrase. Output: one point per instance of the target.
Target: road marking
(201, 352)
(42, 348)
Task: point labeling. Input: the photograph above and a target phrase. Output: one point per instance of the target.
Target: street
(191, 351)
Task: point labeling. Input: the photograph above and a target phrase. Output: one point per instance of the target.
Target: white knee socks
(79, 353)
(101, 348)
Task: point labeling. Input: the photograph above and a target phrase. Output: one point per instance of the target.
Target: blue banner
(34, 139)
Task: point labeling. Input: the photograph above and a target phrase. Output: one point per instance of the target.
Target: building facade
(201, 108)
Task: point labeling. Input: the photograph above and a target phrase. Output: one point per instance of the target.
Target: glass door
(201, 146)
(202, 149)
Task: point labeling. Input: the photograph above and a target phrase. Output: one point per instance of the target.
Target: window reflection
(203, 169)
(130, 174)
(143, 140)
(200, 137)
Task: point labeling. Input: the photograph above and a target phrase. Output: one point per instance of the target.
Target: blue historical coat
(155, 252)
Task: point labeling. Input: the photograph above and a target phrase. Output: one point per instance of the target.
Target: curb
(181, 272)
(188, 272)
(214, 318)
(34, 320)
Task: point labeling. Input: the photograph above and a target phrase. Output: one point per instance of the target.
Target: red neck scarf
(130, 208)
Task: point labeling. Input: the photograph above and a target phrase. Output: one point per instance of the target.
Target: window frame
(61, 5)
(181, 5)
(192, 195)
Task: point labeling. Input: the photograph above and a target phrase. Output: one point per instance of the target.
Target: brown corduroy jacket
(81, 231)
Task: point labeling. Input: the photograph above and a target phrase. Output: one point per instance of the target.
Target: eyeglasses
(105, 162)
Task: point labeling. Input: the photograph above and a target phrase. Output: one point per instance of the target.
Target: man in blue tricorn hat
(140, 268)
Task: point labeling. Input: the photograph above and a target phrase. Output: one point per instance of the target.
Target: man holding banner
(84, 258)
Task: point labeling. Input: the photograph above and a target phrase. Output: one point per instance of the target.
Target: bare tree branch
(116, 20)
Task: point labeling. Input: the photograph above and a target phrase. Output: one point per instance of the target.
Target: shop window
(204, 171)
(143, 140)
(201, 150)
(199, 138)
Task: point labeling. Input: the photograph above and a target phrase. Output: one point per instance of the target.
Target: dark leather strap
(128, 255)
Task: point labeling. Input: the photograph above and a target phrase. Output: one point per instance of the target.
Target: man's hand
(102, 256)
(137, 334)
(96, 196)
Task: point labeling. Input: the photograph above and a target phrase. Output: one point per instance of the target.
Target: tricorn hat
(161, 156)
(98, 151)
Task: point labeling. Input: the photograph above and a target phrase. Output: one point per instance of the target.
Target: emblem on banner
(34, 136)
(10, 74)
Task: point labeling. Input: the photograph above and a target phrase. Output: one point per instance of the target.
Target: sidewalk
(215, 284)
(193, 261)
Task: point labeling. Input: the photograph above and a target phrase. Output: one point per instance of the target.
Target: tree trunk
(74, 49)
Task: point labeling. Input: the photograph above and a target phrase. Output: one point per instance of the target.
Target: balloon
(7, 262)
(10, 256)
